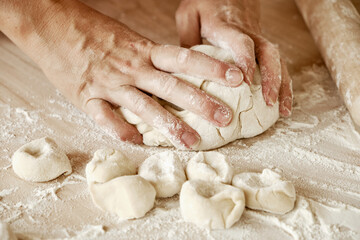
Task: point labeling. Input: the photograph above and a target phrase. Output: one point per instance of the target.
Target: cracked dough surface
(251, 114)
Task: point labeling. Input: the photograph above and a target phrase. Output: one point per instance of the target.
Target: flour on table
(40, 160)
(165, 172)
(209, 166)
(266, 191)
(211, 204)
(114, 188)
(251, 115)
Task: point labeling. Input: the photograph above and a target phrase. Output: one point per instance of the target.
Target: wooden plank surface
(31, 107)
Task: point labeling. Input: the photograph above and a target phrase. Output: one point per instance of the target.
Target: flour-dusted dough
(115, 189)
(266, 191)
(40, 160)
(165, 172)
(6, 233)
(209, 166)
(127, 196)
(107, 164)
(211, 204)
(251, 114)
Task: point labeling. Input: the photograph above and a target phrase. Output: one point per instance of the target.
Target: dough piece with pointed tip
(266, 191)
(114, 188)
(165, 172)
(209, 166)
(40, 161)
(211, 205)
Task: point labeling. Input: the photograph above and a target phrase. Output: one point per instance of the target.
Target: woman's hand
(98, 64)
(234, 25)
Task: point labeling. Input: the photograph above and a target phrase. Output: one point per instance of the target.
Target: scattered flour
(317, 149)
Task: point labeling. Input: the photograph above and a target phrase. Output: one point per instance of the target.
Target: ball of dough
(251, 115)
(266, 191)
(210, 204)
(6, 233)
(114, 189)
(165, 172)
(40, 160)
(209, 166)
(107, 164)
(127, 196)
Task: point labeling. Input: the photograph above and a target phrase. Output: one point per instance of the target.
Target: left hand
(234, 25)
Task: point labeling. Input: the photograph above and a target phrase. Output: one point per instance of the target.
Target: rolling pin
(335, 27)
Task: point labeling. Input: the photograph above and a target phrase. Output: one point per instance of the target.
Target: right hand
(99, 64)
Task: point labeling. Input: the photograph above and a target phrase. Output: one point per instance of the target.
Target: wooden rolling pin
(335, 27)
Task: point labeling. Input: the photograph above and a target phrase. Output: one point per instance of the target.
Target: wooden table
(30, 108)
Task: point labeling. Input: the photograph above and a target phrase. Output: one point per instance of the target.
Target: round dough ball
(209, 166)
(210, 204)
(251, 115)
(6, 233)
(165, 172)
(127, 196)
(107, 164)
(40, 160)
(266, 191)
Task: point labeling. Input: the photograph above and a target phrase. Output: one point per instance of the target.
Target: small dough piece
(266, 191)
(127, 196)
(107, 164)
(211, 204)
(114, 189)
(209, 166)
(6, 233)
(165, 172)
(40, 160)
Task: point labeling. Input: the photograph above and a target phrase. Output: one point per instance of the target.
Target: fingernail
(286, 108)
(223, 116)
(190, 139)
(234, 76)
(272, 97)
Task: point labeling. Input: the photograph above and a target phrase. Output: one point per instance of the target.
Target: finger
(285, 94)
(155, 115)
(188, 26)
(104, 115)
(270, 68)
(181, 60)
(241, 46)
(186, 96)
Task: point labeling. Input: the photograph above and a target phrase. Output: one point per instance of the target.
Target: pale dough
(209, 166)
(165, 172)
(211, 204)
(40, 160)
(107, 164)
(266, 191)
(251, 114)
(115, 189)
(6, 233)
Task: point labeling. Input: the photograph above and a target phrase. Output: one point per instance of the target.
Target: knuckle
(183, 56)
(168, 84)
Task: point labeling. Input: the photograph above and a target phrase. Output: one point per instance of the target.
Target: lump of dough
(107, 164)
(114, 188)
(251, 115)
(6, 233)
(266, 191)
(165, 172)
(209, 166)
(211, 204)
(40, 160)
(127, 196)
